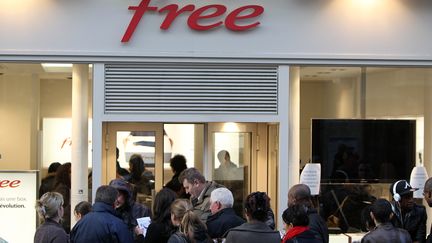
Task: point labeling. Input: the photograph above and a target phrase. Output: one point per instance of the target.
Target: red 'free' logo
(9, 183)
(195, 15)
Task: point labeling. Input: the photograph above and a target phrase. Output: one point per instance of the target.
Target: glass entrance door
(231, 155)
(134, 151)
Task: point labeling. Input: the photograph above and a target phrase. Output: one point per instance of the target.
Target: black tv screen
(352, 150)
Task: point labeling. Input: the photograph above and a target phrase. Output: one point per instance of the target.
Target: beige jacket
(202, 203)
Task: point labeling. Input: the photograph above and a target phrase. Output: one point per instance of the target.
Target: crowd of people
(190, 209)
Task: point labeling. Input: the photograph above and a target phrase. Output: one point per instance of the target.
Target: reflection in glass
(137, 153)
(232, 155)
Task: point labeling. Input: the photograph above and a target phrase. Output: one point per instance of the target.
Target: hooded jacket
(130, 210)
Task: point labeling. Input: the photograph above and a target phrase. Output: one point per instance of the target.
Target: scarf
(293, 232)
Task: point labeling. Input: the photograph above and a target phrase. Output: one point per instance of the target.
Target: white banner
(18, 192)
(311, 176)
(418, 179)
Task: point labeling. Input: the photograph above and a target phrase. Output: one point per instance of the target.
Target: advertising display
(18, 192)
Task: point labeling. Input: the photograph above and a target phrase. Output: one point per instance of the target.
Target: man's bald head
(428, 185)
(299, 194)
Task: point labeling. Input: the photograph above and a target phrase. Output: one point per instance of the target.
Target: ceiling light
(230, 127)
(57, 67)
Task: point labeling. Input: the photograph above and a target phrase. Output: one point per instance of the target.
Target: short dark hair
(428, 185)
(53, 167)
(257, 205)
(302, 194)
(178, 163)
(191, 175)
(297, 215)
(83, 208)
(381, 209)
(106, 194)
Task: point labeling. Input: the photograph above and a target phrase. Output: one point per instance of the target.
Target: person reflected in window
(143, 179)
(227, 169)
(120, 172)
(178, 164)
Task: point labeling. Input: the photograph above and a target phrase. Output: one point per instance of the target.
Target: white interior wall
(17, 103)
(24, 101)
(56, 98)
(395, 93)
(389, 93)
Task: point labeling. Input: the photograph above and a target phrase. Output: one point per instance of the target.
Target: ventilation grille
(191, 89)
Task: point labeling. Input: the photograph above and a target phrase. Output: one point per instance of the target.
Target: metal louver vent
(173, 88)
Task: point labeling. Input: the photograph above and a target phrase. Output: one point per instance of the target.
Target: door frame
(109, 138)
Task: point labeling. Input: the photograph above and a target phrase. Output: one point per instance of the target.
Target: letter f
(139, 12)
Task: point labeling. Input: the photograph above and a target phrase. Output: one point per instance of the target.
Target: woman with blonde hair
(190, 227)
(50, 209)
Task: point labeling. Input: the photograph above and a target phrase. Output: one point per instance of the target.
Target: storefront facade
(278, 43)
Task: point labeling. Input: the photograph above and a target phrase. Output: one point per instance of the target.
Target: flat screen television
(366, 150)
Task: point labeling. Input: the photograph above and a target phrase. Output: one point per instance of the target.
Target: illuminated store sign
(172, 11)
(18, 193)
(9, 183)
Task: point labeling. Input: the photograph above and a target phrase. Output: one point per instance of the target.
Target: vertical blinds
(190, 89)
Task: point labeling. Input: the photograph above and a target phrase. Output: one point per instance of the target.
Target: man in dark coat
(301, 194)
(427, 193)
(381, 213)
(407, 214)
(101, 225)
(223, 216)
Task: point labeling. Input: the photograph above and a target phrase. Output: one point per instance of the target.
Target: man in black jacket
(223, 216)
(407, 214)
(427, 193)
(381, 213)
(301, 194)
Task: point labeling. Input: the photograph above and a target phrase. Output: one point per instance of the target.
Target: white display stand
(18, 193)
